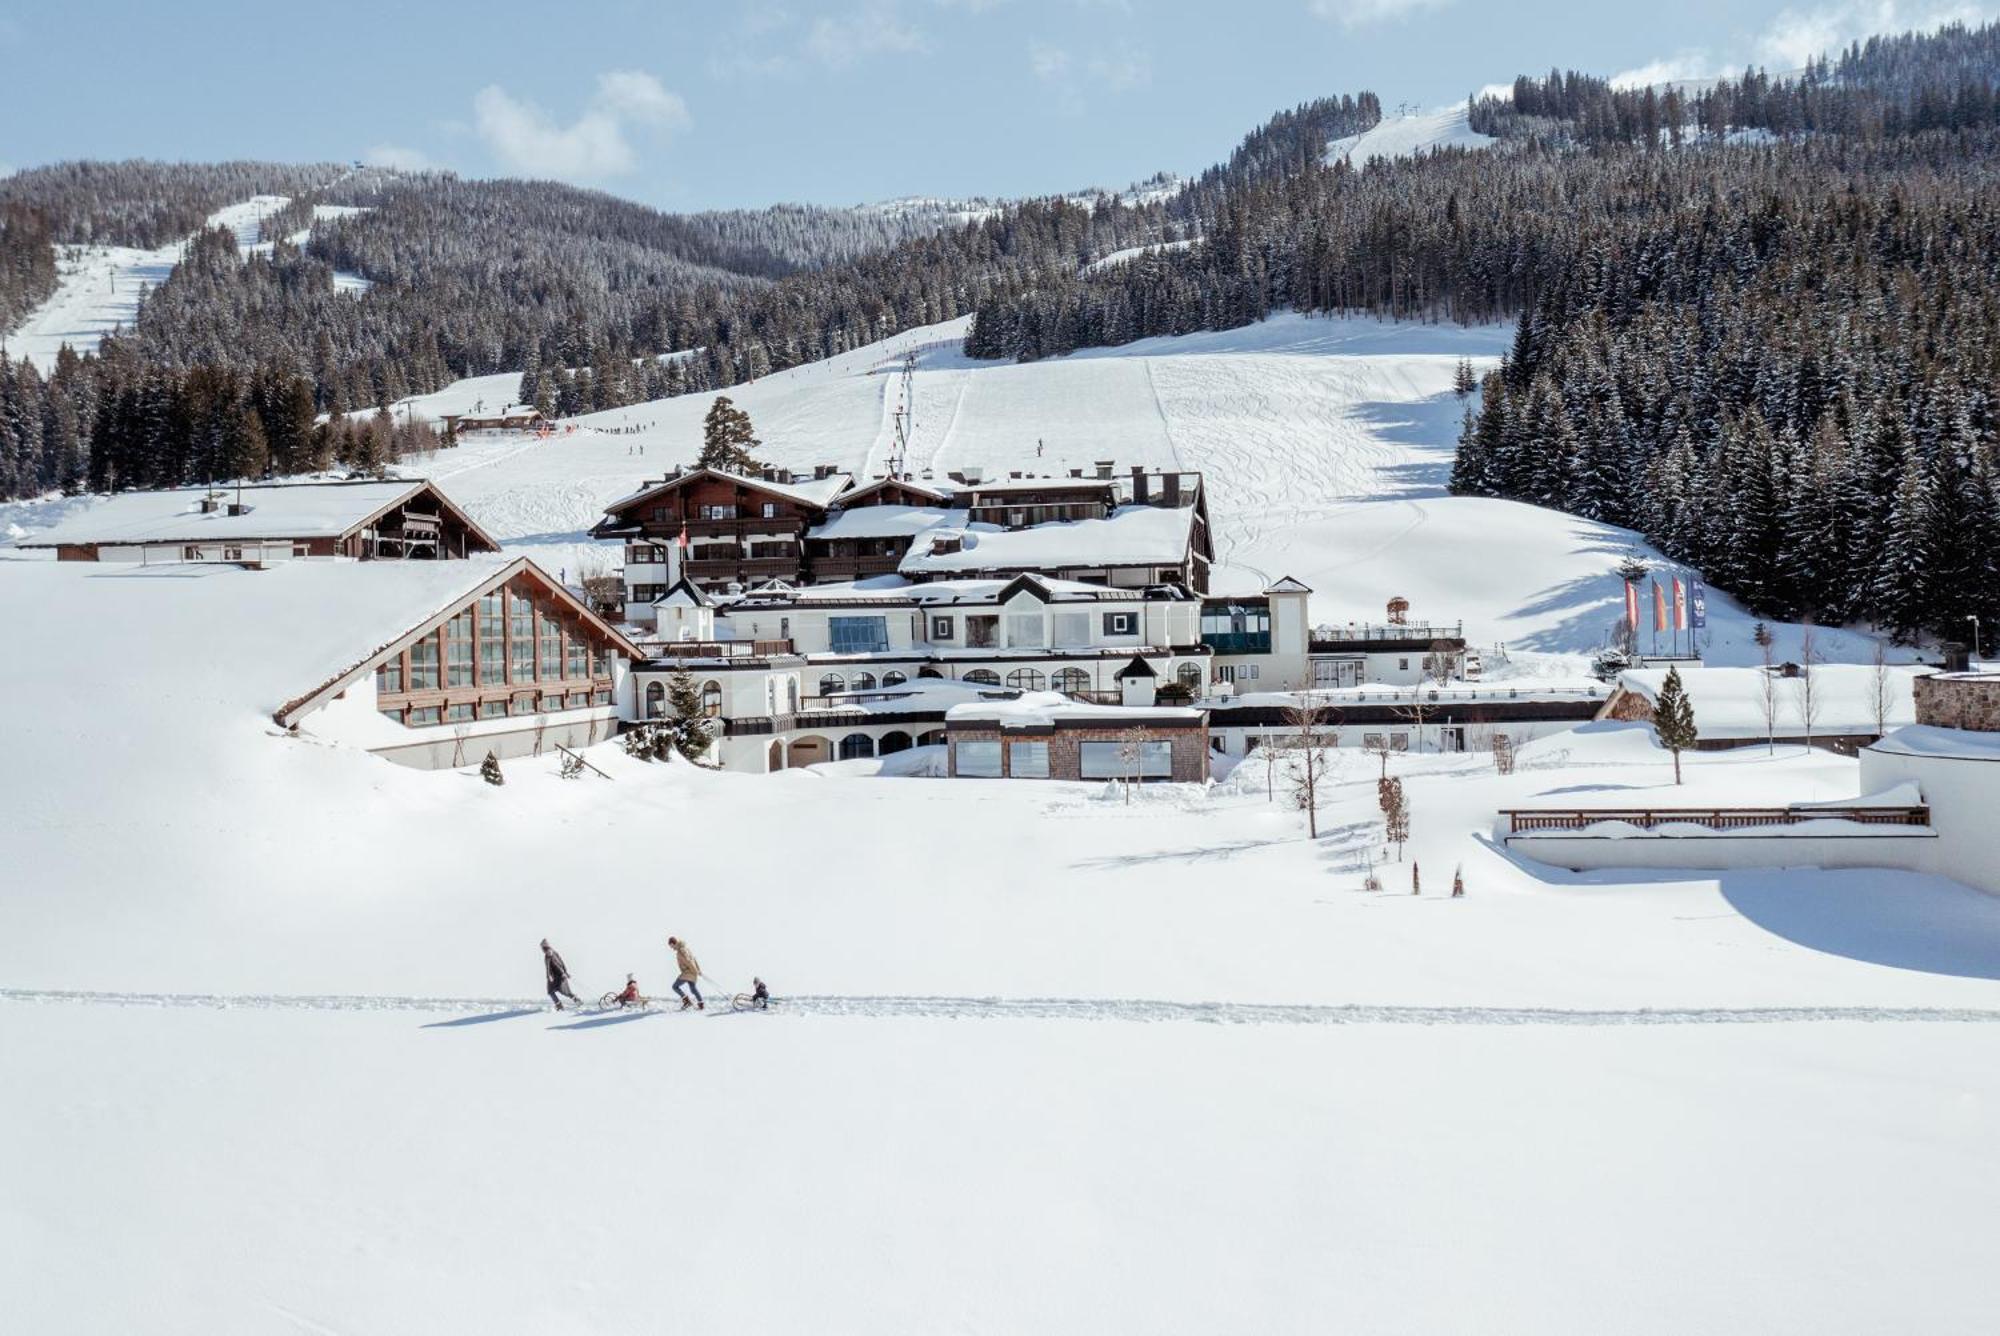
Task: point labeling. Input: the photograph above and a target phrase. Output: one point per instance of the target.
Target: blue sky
(713, 105)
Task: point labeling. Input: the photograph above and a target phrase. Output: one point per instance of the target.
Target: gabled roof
(486, 576)
(816, 493)
(1129, 536)
(332, 510)
(1028, 583)
(1137, 668)
(1288, 586)
(683, 593)
(859, 494)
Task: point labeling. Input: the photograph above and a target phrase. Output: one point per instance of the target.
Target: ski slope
(98, 288)
(1408, 137)
(1325, 444)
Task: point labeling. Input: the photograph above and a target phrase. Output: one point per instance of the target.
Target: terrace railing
(1526, 821)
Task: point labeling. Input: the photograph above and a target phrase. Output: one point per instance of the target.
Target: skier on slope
(558, 975)
(690, 971)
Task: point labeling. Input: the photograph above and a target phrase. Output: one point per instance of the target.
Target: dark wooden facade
(740, 530)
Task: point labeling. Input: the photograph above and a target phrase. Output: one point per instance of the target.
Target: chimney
(1015, 474)
(1172, 484)
(1076, 473)
(1105, 467)
(1138, 484)
(822, 471)
(208, 505)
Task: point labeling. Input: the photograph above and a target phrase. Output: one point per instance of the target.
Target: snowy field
(1408, 136)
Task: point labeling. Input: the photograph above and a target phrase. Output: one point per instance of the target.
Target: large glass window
(424, 664)
(858, 635)
(1190, 676)
(831, 684)
(976, 760)
(521, 639)
(578, 659)
(1071, 681)
(1028, 760)
(1024, 629)
(862, 682)
(458, 650)
(1109, 760)
(711, 699)
(426, 714)
(982, 632)
(985, 677)
(389, 676)
(552, 651)
(892, 678)
(1027, 679)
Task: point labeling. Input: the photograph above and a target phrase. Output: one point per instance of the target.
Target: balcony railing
(716, 649)
(1237, 642)
(1526, 821)
(1355, 633)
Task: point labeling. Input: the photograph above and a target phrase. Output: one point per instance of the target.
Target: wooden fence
(1526, 821)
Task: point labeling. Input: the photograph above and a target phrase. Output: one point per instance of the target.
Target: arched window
(792, 694)
(711, 700)
(892, 678)
(1190, 676)
(897, 741)
(1071, 681)
(832, 684)
(855, 746)
(929, 672)
(984, 677)
(862, 682)
(656, 699)
(1028, 679)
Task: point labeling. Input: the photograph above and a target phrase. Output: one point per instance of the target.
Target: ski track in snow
(1143, 1010)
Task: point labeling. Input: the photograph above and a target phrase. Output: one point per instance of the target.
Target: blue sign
(1698, 596)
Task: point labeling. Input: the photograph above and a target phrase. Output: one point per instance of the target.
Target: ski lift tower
(906, 416)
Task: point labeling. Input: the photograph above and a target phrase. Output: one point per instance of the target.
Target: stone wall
(1959, 700)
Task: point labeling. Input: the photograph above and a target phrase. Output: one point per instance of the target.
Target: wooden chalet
(255, 525)
(741, 529)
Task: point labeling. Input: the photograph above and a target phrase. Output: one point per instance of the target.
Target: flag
(1699, 599)
(1680, 605)
(1659, 607)
(1632, 605)
(682, 541)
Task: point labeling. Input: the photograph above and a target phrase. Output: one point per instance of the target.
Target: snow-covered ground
(98, 291)
(1408, 136)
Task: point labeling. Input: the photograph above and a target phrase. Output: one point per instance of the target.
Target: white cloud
(527, 140)
(1677, 68)
(1799, 35)
(1049, 63)
(1069, 78)
(396, 156)
(837, 42)
(1128, 69)
(1363, 13)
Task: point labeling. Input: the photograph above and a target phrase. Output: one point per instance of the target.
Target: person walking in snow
(558, 975)
(690, 971)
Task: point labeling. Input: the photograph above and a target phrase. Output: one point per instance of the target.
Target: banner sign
(1700, 599)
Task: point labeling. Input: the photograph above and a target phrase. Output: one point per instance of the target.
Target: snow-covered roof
(280, 510)
(1930, 740)
(1729, 702)
(893, 591)
(1287, 585)
(1047, 708)
(1042, 484)
(814, 492)
(882, 522)
(1130, 536)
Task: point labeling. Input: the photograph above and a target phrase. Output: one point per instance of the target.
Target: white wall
(1906, 848)
(1964, 798)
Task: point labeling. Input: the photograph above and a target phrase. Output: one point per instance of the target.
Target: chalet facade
(258, 525)
(511, 662)
(739, 529)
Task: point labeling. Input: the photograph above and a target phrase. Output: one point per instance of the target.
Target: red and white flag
(682, 541)
(1680, 604)
(1659, 607)
(1632, 605)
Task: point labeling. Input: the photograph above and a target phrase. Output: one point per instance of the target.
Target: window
(1072, 629)
(1028, 760)
(792, 694)
(1120, 624)
(191, 553)
(772, 551)
(579, 700)
(1027, 679)
(717, 512)
(711, 699)
(459, 713)
(975, 760)
(389, 677)
(301, 550)
(892, 678)
(982, 632)
(394, 716)
(928, 671)
(1189, 676)
(492, 657)
(424, 664)
(493, 709)
(232, 553)
(984, 677)
(423, 714)
(862, 682)
(1373, 742)
(578, 662)
(1102, 760)
(1024, 629)
(458, 650)
(855, 746)
(858, 635)
(1403, 664)
(602, 696)
(940, 628)
(832, 684)
(521, 639)
(770, 510)
(1399, 742)
(1071, 681)
(523, 704)
(552, 701)
(656, 700)
(552, 653)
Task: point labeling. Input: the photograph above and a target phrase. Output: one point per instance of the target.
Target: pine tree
(489, 770)
(727, 437)
(1673, 719)
(688, 725)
